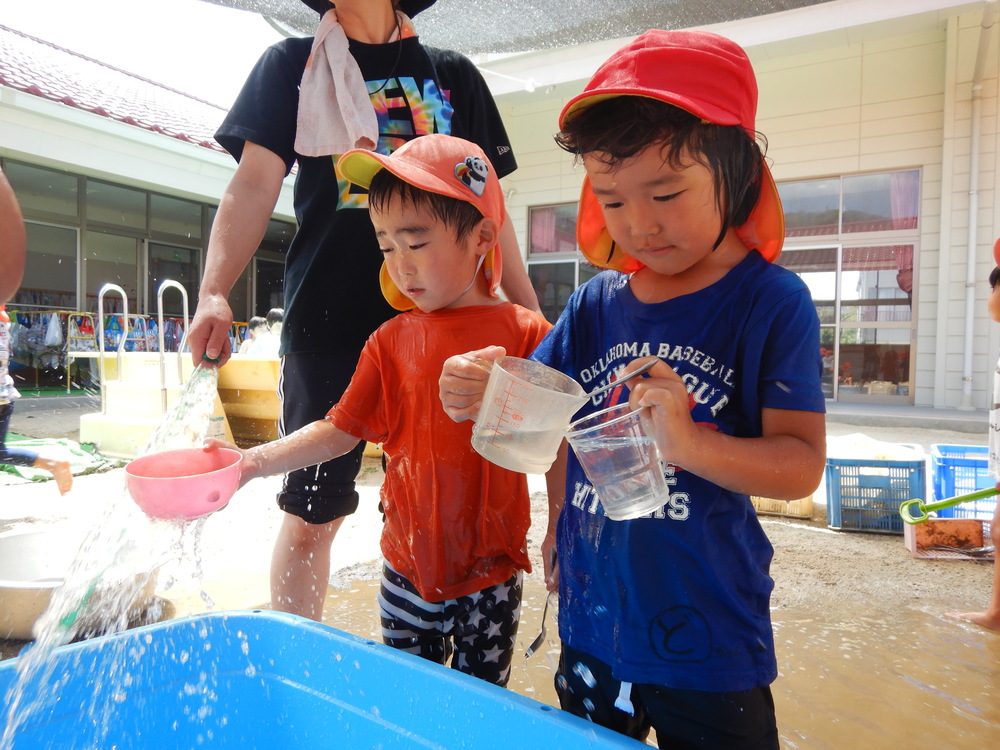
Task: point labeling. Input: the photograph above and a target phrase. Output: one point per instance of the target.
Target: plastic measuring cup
(621, 461)
(526, 409)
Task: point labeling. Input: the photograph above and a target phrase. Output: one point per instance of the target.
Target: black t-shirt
(332, 296)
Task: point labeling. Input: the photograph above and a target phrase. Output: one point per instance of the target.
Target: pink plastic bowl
(187, 483)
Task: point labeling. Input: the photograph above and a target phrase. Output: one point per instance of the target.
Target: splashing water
(190, 420)
(102, 593)
(111, 581)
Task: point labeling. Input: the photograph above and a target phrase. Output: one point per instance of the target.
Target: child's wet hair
(622, 127)
(994, 278)
(460, 215)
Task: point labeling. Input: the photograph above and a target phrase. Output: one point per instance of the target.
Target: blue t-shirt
(681, 597)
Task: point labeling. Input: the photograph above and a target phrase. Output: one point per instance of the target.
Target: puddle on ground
(852, 678)
(869, 679)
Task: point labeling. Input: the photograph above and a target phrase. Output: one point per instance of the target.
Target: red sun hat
(704, 74)
(996, 252)
(442, 164)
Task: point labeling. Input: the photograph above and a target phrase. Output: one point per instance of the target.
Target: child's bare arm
(786, 463)
(463, 381)
(313, 444)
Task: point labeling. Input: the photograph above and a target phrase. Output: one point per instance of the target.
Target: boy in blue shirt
(664, 619)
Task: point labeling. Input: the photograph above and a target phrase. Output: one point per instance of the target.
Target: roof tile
(46, 70)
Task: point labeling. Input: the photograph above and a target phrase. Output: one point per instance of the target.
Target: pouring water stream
(115, 543)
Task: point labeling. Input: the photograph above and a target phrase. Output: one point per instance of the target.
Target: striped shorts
(476, 632)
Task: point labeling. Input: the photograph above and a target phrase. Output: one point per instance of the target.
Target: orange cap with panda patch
(437, 163)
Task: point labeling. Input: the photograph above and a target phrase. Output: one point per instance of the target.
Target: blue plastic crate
(959, 470)
(271, 680)
(865, 495)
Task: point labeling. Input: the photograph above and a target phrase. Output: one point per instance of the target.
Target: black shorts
(683, 719)
(309, 385)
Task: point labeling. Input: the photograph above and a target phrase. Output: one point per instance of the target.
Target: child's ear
(486, 235)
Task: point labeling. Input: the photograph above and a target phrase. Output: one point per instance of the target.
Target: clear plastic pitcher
(526, 409)
(621, 461)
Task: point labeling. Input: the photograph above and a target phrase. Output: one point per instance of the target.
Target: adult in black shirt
(332, 297)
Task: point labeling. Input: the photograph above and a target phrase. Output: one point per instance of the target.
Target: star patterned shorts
(476, 632)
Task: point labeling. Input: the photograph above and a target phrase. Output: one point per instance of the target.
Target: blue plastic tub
(271, 680)
(959, 470)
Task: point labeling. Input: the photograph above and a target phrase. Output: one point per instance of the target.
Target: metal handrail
(100, 335)
(170, 284)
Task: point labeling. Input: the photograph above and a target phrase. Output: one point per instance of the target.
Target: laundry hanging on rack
(173, 334)
(112, 332)
(82, 336)
(42, 338)
(38, 338)
(53, 333)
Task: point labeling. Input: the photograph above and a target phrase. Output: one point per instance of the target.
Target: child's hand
(247, 465)
(463, 381)
(665, 394)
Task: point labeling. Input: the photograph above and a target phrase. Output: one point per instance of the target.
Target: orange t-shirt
(455, 523)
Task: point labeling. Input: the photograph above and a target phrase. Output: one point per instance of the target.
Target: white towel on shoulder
(335, 112)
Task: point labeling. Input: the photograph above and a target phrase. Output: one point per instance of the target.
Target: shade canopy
(483, 26)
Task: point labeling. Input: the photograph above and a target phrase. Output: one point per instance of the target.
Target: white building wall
(545, 173)
(888, 101)
(45, 133)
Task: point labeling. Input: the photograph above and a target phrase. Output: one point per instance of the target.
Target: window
(858, 203)
(50, 269)
(862, 280)
(111, 259)
(180, 264)
(44, 192)
(268, 269)
(84, 233)
(116, 206)
(269, 292)
(881, 202)
(872, 287)
(175, 217)
(239, 295)
(812, 208)
(555, 266)
(553, 229)
(277, 236)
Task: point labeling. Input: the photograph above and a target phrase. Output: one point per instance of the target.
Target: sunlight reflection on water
(864, 678)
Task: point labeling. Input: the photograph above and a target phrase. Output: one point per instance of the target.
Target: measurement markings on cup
(509, 419)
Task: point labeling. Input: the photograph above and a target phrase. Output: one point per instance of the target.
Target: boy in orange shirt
(454, 539)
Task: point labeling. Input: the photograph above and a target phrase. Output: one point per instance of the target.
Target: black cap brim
(409, 7)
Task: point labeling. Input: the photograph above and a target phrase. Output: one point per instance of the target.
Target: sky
(193, 46)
